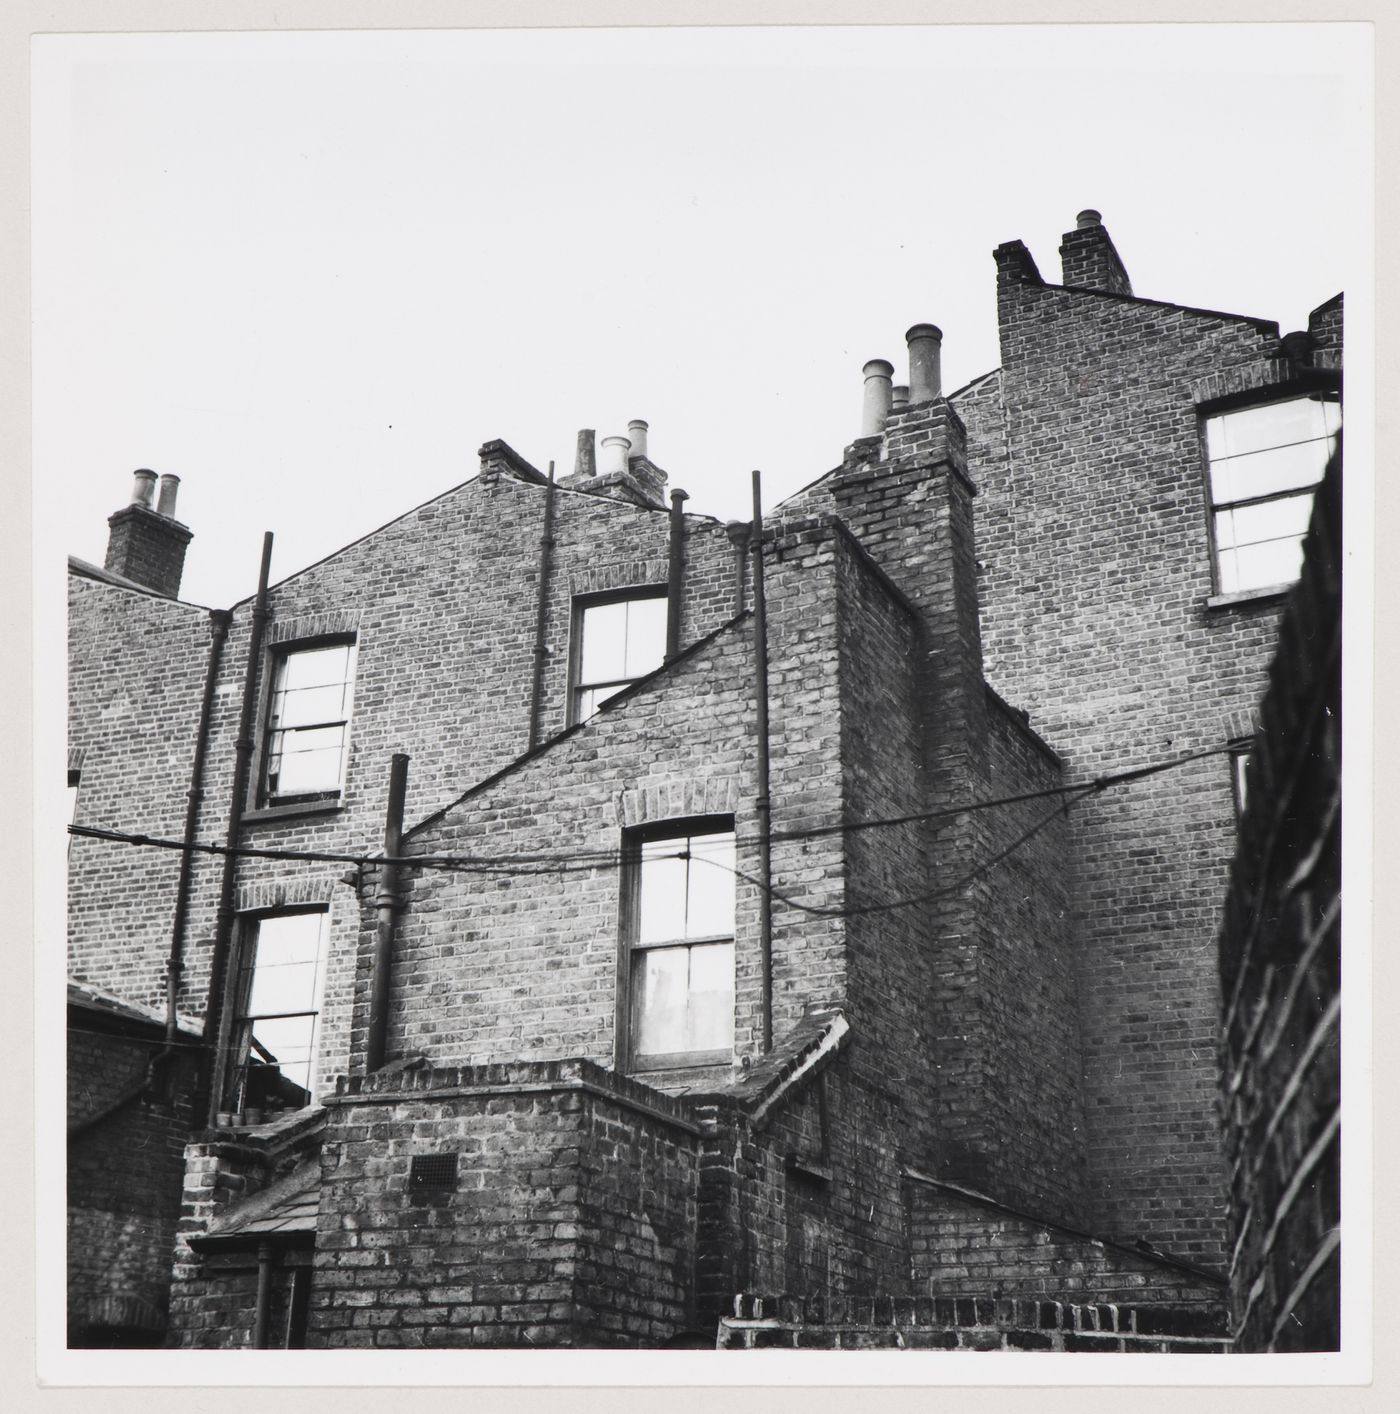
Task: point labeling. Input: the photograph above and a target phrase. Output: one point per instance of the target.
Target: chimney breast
(925, 343)
(876, 406)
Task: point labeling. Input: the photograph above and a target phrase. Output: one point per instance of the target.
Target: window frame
(582, 603)
(630, 946)
(262, 799)
(1238, 757)
(237, 1050)
(1244, 402)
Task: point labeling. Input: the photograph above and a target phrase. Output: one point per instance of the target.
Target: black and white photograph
(703, 703)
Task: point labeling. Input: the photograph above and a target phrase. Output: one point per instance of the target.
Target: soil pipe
(387, 904)
(218, 626)
(765, 846)
(261, 1310)
(675, 574)
(542, 610)
(243, 755)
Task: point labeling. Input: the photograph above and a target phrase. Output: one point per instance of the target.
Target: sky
(312, 273)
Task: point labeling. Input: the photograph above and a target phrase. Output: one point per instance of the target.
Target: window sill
(296, 810)
(1267, 594)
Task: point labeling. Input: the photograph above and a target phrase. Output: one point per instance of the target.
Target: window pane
(308, 759)
(604, 654)
(287, 967)
(291, 1043)
(710, 886)
(659, 1000)
(710, 1014)
(663, 892)
(315, 667)
(309, 704)
(1268, 520)
(1273, 562)
(1264, 473)
(646, 636)
(1270, 425)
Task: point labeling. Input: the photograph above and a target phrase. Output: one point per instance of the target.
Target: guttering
(219, 620)
(387, 905)
(243, 755)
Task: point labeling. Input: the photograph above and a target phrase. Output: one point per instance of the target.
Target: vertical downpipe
(387, 904)
(542, 609)
(264, 1300)
(219, 620)
(765, 847)
(243, 755)
(675, 574)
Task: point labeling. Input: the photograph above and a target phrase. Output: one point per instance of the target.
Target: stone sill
(266, 813)
(1242, 597)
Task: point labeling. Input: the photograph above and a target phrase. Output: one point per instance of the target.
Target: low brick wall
(790, 1323)
(568, 1220)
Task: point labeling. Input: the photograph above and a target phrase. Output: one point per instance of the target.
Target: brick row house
(754, 944)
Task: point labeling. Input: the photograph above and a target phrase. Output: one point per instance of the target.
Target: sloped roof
(285, 1212)
(95, 1000)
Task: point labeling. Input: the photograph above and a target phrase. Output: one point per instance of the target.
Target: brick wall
(1280, 960)
(1092, 533)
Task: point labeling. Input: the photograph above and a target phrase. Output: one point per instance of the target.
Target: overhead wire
(585, 861)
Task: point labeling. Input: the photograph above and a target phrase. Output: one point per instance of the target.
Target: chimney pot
(1088, 217)
(925, 343)
(876, 406)
(615, 450)
(899, 396)
(169, 489)
(585, 460)
(637, 433)
(143, 488)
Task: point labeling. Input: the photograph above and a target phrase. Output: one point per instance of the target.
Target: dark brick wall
(960, 1248)
(125, 1168)
(1280, 960)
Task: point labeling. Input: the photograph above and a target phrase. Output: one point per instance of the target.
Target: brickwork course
(974, 1051)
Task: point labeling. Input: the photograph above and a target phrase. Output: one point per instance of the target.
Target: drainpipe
(386, 902)
(739, 533)
(765, 846)
(243, 755)
(260, 1312)
(542, 609)
(218, 625)
(675, 575)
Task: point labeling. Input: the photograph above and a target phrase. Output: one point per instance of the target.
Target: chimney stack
(615, 451)
(925, 343)
(147, 545)
(876, 406)
(1088, 259)
(585, 462)
(637, 432)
